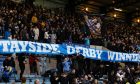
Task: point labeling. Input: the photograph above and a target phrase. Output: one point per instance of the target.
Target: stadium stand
(20, 21)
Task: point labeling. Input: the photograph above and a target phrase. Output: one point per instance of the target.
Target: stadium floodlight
(86, 8)
(115, 15)
(138, 20)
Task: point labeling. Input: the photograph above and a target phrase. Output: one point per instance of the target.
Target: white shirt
(98, 25)
(53, 38)
(46, 35)
(120, 74)
(36, 31)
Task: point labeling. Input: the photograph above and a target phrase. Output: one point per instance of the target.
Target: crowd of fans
(26, 22)
(34, 23)
(75, 69)
(122, 38)
(79, 70)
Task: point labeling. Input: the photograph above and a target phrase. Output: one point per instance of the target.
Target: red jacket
(33, 59)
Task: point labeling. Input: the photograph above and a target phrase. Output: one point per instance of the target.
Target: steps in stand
(12, 79)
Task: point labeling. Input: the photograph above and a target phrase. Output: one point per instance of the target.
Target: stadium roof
(129, 7)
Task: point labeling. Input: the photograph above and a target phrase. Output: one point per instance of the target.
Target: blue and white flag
(94, 25)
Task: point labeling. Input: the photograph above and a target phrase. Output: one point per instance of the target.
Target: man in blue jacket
(66, 65)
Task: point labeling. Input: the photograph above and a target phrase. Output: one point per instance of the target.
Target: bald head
(37, 81)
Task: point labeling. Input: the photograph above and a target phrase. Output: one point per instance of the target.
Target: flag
(94, 25)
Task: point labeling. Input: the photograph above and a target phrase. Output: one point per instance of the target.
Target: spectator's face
(95, 81)
(73, 71)
(22, 25)
(86, 77)
(138, 67)
(9, 30)
(66, 59)
(89, 75)
(132, 68)
(25, 27)
(8, 58)
(64, 75)
(115, 83)
(55, 74)
(36, 27)
(19, 22)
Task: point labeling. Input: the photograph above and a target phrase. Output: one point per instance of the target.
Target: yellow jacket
(43, 24)
(138, 82)
(34, 19)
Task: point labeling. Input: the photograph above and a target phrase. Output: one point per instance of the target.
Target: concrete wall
(98, 47)
(50, 3)
(18, 1)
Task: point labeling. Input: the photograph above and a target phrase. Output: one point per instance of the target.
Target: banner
(7, 46)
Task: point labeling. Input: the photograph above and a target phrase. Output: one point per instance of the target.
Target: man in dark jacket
(9, 68)
(31, 34)
(72, 76)
(64, 79)
(9, 61)
(21, 59)
(54, 79)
